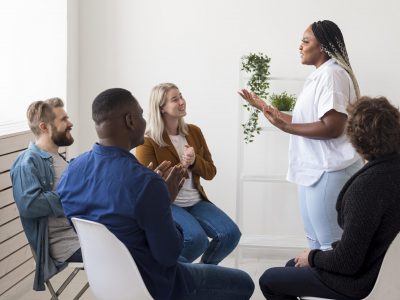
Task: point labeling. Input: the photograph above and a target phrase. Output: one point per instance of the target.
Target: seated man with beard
(35, 175)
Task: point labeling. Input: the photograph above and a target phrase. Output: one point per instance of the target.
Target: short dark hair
(374, 127)
(42, 111)
(108, 103)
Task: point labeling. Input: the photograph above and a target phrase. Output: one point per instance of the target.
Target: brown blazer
(203, 165)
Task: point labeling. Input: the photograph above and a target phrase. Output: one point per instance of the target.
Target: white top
(188, 195)
(328, 87)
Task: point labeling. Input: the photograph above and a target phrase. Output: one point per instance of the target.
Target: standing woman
(321, 158)
(169, 138)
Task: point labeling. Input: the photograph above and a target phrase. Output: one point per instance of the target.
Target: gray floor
(253, 260)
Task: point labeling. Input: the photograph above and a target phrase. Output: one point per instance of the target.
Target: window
(33, 57)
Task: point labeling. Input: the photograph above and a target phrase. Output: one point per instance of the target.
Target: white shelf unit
(264, 198)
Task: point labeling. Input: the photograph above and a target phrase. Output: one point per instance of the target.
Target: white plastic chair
(387, 285)
(110, 268)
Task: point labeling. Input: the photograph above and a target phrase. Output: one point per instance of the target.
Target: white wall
(137, 45)
(198, 45)
(72, 72)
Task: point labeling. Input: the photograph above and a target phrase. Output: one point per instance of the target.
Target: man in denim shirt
(35, 175)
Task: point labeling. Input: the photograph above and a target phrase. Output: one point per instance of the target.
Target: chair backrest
(111, 270)
(387, 285)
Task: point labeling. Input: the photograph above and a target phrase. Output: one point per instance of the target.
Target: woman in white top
(169, 138)
(321, 159)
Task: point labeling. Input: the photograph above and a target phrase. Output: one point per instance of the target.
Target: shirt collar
(321, 68)
(43, 154)
(111, 151)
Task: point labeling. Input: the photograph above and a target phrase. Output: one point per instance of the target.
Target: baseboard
(273, 241)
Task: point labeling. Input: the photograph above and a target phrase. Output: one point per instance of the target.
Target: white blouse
(188, 195)
(328, 87)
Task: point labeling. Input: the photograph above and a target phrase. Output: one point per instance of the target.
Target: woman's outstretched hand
(274, 116)
(252, 98)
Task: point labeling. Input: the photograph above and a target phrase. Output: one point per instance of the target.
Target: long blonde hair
(155, 124)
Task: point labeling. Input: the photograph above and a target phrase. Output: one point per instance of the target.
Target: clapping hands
(175, 180)
(188, 157)
(174, 176)
(162, 169)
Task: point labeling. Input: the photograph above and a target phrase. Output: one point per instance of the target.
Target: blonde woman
(169, 138)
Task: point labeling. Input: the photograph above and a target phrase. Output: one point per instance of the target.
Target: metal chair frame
(54, 294)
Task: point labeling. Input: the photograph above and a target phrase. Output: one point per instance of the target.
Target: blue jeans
(290, 282)
(318, 207)
(201, 221)
(218, 283)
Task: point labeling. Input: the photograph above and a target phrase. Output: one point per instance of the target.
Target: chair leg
(54, 295)
(82, 291)
(67, 281)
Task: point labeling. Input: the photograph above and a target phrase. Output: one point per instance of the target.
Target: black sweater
(369, 213)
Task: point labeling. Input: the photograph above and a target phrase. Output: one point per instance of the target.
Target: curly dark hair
(374, 127)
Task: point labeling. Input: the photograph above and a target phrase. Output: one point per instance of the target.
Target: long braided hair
(331, 39)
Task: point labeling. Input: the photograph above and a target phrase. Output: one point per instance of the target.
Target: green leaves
(283, 101)
(251, 126)
(257, 64)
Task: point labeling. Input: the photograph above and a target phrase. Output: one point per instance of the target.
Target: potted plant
(257, 65)
(283, 101)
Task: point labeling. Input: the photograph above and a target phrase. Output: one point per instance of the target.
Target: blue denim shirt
(32, 176)
(108, 185)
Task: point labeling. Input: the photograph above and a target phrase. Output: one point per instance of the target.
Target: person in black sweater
(368, 209)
